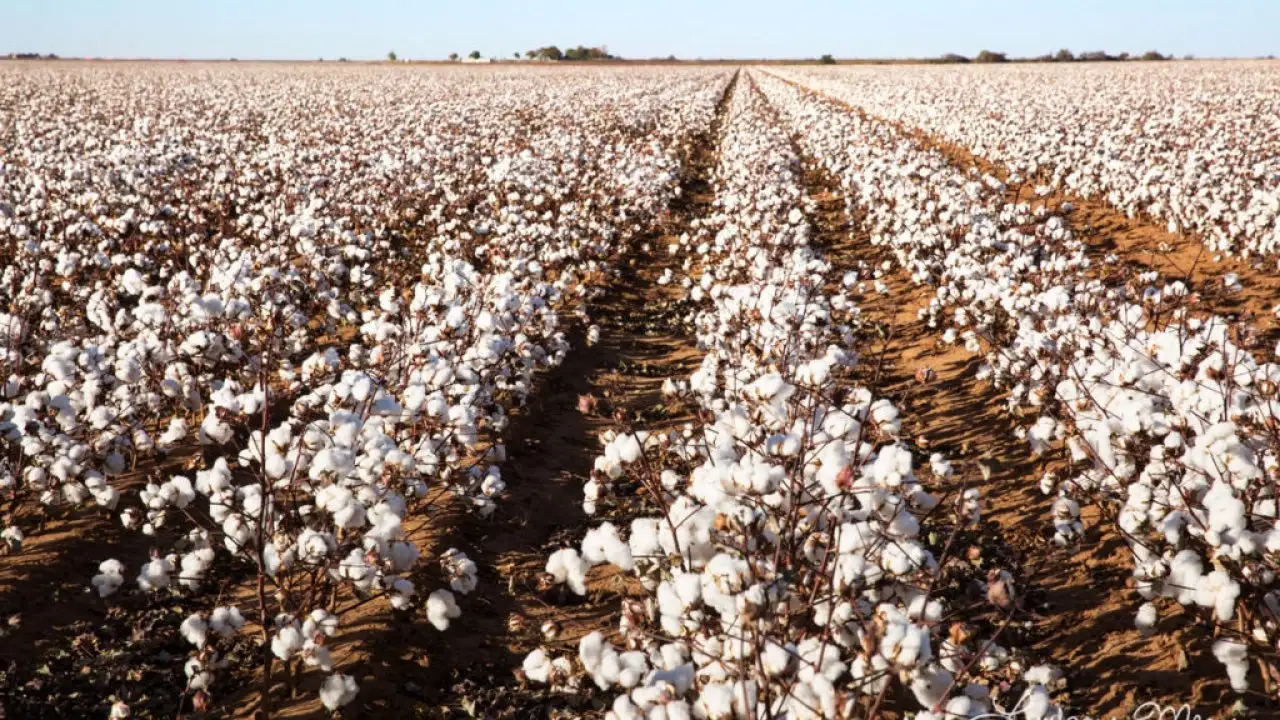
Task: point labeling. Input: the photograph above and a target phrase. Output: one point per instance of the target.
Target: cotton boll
(286, 643)
(226, 620)
(109, 578)
(155, 574)
(1146, 619)
(715, 702)
(441, 608)
(930, 685)
(537, 666)
(777, 659)
(338, 691)
(1235, 656)
(565, 566)
(195, 630)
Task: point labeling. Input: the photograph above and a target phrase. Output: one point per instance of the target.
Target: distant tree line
(31, 56)
(551, 52)
(1064, 55)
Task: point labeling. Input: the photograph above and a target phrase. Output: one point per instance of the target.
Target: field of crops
(639, 391)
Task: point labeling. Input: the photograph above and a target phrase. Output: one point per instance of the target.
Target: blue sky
(364, 29)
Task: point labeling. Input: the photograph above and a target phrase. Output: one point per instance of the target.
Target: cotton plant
(1160, 408)
(785, 559)
(306, 344)
(1050, 124)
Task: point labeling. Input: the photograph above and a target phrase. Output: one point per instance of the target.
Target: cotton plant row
(302, 329)
(788, 567)
(1195, 145)
(1165, 412)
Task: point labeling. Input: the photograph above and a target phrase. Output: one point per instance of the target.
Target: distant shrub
(827, 60)
(990, 56)
(953, 58)
(1064, 55)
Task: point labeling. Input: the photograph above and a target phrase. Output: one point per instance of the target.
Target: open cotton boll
(1235, 656)
(1146, 619)
(537, 666)
(226, 620)
(195, 630)
(1218, 591)
(287, 642)
(565, 566)
(930, 685)
(602, 545)
(109, 578)
(338, 691)
(155, 574)
(320, 621)
(441, 608)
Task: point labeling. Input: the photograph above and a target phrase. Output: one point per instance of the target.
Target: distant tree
(475, 55)
(515, 55)
(1189, 56)
(391, 56)
(1096, 56)
(531, 54)
(671, 58)
(989, 56)
(453, 57)
(827, 60)
(1123, 56)
(1064, 55)
(1152, 55)
(953, 58)
(342, 59)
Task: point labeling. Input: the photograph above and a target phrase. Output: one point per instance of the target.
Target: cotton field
(631, 391)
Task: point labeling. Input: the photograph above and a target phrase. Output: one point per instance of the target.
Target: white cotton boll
(940, 466)
(776, 659)
(633, 667)
(316, 655)
(155, 575)
(402, 591)
(226, 620)
(1042, 675)
(930, 685)
(1146, 619)
(565, 566)
(109, 578)
(591, 649)
(441, 608)
(193, 566)
(195, 630)
(338, 691)
(403, 556)
(537, 666)
(320, 621)
(198, 678)
(715, 702)
(286, 643)
(1235, 656)
(1218, 591)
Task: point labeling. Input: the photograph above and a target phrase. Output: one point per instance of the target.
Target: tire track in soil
(551, 446)
(1084, 594)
